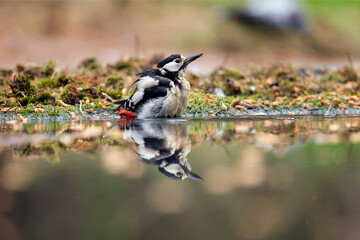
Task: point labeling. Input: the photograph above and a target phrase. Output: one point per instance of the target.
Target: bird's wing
(152, 81)
(154, 149)
(151, 78)
(148, 82)
(143, 95)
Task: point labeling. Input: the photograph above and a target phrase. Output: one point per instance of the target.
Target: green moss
(115, 94)
(100, 89)
(348, 73)
(232, 87)
(41, 97)
(46, 83)
(69, 95)
(63, 79)
(232, 73)
(49, 68)
(193, 78)
(5, 75)
(21, 86)
(26, 100)
(49, 150)
(115, 82)
(129, 66)
(53, 83)
(30, 128)
(45, 98)
(90, 64)
(26, 150)
(125, 64)
(5, 72)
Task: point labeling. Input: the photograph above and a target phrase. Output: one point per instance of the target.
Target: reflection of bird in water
(162, 143)
(161, 92)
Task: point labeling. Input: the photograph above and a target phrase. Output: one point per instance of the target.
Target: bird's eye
(178, 174)
(178, 60)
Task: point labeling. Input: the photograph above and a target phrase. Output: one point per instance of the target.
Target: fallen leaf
(235, 102)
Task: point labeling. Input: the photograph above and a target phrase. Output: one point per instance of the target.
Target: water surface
(277, 178)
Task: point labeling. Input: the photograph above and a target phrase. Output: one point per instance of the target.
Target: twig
(53, 74)
(108, 97)
(224, 107)
(352, 65)
(350, 59)
(137, 66)
(328, 110)
(81, 111)
(225, 60)
(137, 46)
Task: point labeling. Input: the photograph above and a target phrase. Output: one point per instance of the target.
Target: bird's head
(176, 64)
(177, 171)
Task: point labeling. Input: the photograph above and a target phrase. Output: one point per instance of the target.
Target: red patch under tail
(127, 113)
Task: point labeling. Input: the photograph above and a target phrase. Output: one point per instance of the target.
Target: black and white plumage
(161, 92)
(164, 144)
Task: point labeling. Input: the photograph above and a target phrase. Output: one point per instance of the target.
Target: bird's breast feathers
(171, 104)
(177, 99)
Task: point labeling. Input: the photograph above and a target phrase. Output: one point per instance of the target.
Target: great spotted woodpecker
(162, 143)
(161, 92)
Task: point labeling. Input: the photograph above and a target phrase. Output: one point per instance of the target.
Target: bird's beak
(192, 58)
(192, 176)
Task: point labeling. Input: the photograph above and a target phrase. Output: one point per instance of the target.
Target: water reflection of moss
(267, 134)
(48, 151)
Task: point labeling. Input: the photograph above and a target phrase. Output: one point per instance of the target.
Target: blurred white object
(219, 92)
(276, 14)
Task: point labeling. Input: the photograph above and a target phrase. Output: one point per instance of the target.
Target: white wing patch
(147, 82)
(147, 153)
(136, 98)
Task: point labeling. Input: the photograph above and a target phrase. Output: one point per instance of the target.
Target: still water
(278, 178)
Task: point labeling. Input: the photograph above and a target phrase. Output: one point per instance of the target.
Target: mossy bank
(48, 92)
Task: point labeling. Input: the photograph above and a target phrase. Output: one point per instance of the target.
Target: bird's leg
(124, 123)
(127, 113)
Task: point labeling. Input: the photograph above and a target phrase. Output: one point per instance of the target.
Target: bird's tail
(121, 110)
(107, 110)
(120, 103)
